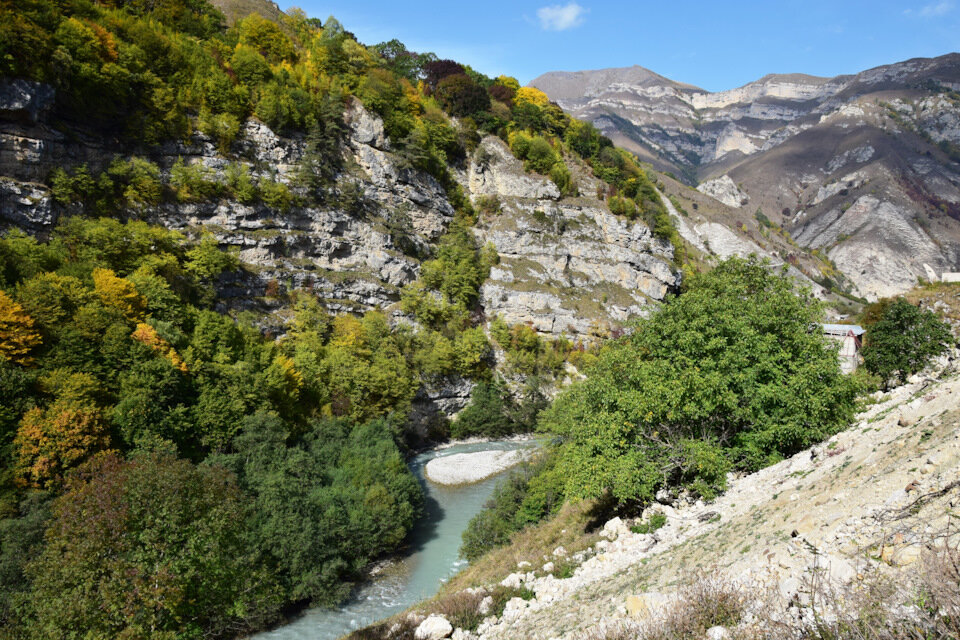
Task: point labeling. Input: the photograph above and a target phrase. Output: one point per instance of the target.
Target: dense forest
(168, 469)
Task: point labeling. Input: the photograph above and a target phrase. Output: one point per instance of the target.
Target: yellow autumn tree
(532, 95)
(509, 82)
(348, 333)
(17, 332)
(52, 441)
(119, 293)
(148, 336)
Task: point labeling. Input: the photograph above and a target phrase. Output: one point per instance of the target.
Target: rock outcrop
(725, 190)
(566, 266)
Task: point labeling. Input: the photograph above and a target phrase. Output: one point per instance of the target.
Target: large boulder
(434, 627)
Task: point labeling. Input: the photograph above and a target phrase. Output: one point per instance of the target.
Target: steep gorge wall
(567, 265)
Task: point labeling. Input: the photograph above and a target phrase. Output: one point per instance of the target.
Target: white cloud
(561, 17)
(937, 9)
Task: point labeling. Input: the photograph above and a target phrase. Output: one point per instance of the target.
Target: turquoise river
(430, 559)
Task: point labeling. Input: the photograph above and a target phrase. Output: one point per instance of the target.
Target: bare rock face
(495, 172)
(25, 99)
(876, 243)
(25, 205)
(436, 401)
(725, 190)
(566, 266)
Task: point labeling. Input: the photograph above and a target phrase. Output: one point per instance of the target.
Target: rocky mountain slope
(873, 499)
(863, 168)
(567, 266)
(556, 253)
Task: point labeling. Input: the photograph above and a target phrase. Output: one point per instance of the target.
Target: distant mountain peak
(864, 167)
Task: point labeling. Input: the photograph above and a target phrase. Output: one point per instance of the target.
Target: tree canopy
(903, 339)
(732, 374)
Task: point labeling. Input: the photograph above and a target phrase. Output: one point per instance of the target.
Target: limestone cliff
(567, 265)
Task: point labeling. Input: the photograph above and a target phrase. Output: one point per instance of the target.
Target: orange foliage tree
(147, 335)
(17, 333)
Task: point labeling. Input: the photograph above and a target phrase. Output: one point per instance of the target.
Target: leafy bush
(193, 182)
(656, 521)
(528, 495)
(725, 376)
(903, 340)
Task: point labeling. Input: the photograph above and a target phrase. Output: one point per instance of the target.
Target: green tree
(727, 375)
(489, 413)
(903, 340)
(326, 503)
(152, 547)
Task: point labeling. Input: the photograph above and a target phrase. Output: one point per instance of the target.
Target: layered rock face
(566, 266)
(863, 167)
(354, 259)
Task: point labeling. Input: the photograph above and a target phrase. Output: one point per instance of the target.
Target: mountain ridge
(805, 152)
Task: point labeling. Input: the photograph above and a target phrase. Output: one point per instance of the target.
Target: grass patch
(569, 529)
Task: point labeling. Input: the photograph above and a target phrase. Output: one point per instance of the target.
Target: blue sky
(715, 45)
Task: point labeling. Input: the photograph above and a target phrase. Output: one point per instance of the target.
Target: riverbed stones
(465, 468)
(434, 627)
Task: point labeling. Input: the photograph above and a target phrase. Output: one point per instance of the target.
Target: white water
(431, 559)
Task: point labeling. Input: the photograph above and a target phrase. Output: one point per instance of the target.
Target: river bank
(430, 558)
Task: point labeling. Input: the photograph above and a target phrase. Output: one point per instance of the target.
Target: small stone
(886, 553)
(486, 605)
(841, 571)
(717, 633)
(643, 605)
(907, 555)
(523, 564)
(559, 552)
(614, 528)
(434, 627)
(512, 581)
(548, 568)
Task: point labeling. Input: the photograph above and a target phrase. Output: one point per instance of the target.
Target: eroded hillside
(862, 168)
